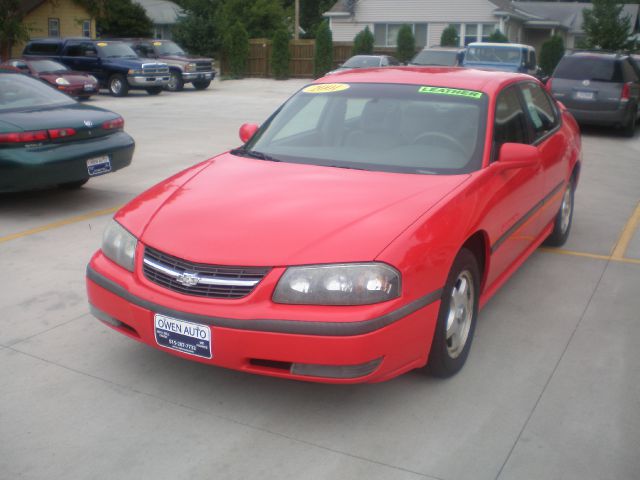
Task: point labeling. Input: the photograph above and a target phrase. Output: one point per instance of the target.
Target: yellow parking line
(594, 256)
(59, 223)
(627, 234)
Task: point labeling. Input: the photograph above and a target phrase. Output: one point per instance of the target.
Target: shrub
(323, 61)
(449, 37)
(406, 44)
(280, 55)
(498, 37)
(236, 49)
(363, 42)
(550, 54)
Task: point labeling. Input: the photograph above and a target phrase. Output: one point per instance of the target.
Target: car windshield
(21, 92)
(115, 50)
(167, 48)
(41, 66)
(362, 62)
(416, 129)
(588, 68)
(487, 54)
(436, 57)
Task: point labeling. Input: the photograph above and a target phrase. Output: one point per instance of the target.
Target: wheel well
(575, 174)
(478, 245)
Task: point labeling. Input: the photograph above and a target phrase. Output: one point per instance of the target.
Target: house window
(54, 27)
(474, 32)
(487, 31)
(470, 33)
(86, 28)
(386, 34)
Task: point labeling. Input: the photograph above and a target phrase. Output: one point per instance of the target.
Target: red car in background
(74, 84)
(355, 234)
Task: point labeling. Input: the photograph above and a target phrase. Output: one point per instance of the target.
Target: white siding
(346, 30)
(435, 32)
(425, 11)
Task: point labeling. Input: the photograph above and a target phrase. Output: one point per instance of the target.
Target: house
(523, 22)
(163, 14)
(53, 18)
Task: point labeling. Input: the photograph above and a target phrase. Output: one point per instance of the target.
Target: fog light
(335, 371)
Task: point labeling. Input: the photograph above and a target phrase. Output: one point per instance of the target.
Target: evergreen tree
(449, 37)
(406, 44)
(498, 37)
(606, 27)
(363, 42)
(11, 27)
(236, 49)
(123, 18)
(280, 55)
(323, 61)
(550, 54)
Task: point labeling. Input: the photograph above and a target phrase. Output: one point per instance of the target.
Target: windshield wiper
(254, 154)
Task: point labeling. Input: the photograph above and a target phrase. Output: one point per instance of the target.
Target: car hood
(240, 211)
(73, 78)
(184, 58)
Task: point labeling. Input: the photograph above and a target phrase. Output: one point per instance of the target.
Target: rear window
(19, 92)
(589, 68)
(42, 48)
(436, 57)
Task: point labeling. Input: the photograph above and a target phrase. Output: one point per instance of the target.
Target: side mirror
(517, 155)
(248, 130)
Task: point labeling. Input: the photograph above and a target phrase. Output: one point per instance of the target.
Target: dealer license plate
(99, 165)
(584, 95)
(186, 337)
(88, 87)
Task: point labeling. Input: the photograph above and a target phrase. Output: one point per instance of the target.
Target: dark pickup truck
(183, 68)
(116, 66)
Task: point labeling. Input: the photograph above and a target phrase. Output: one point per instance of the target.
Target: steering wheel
(440, 139)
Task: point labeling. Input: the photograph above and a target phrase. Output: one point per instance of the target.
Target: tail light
(626, 91)
(36, 135)
(113, 124)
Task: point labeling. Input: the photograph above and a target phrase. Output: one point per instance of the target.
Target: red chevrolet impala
(355, 235)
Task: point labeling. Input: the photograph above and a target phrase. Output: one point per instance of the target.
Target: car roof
(592, 54)
(496, 44)
(438, 47)
(487, 81)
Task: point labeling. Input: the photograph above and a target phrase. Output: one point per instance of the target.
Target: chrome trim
(202, 280)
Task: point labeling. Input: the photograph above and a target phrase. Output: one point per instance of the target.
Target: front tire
(201, 85)
(456, 318)
(563, 220)
(118, 85)
(176, 84)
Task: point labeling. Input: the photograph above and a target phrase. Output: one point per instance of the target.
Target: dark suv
(599, 88)
(183, 68)
(115, 65)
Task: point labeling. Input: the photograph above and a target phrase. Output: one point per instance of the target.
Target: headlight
(134, 71)
(62, 81)
(338, 284)
(93, 79)
(119, 245)
(190, 67)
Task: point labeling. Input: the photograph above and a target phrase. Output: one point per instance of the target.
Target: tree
(550, 54)
(280, 55)
(406, 44)
(323, 61)
(236, 49)
(605, 26)
(12, 29)
(450, 37)
(197, 34)
(363, 42)
(311, 12)
(260, 18)
(123, 18)
(498, 37)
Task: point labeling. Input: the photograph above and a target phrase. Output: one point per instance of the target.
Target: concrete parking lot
(551, 389)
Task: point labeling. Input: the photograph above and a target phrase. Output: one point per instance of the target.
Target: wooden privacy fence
(301, 57)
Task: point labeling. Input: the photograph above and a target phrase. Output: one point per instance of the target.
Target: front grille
(204, 66)
(213, 281)
(155, 69)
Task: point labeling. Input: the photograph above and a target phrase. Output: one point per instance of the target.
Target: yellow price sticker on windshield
(456, 92)
(326, 88)
(102, 44)
(157, 44)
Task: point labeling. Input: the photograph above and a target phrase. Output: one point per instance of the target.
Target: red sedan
(74, 84)
(355, 234)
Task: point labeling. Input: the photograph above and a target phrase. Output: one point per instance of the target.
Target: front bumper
(371, 350)
(79, 90)
(140, 81)
(198, 76)
(26, 168)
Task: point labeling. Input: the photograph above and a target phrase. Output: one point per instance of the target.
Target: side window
(89, 50)
(541, 111)
(510, 122)
(73, 50)
(42, 48)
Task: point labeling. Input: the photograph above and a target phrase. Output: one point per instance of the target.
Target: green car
(48, 139)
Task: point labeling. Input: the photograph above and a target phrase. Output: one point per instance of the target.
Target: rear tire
(154, 90)
(563, 220)
(630, 127)
(118, 86)
(201, 85)
(456, 318)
